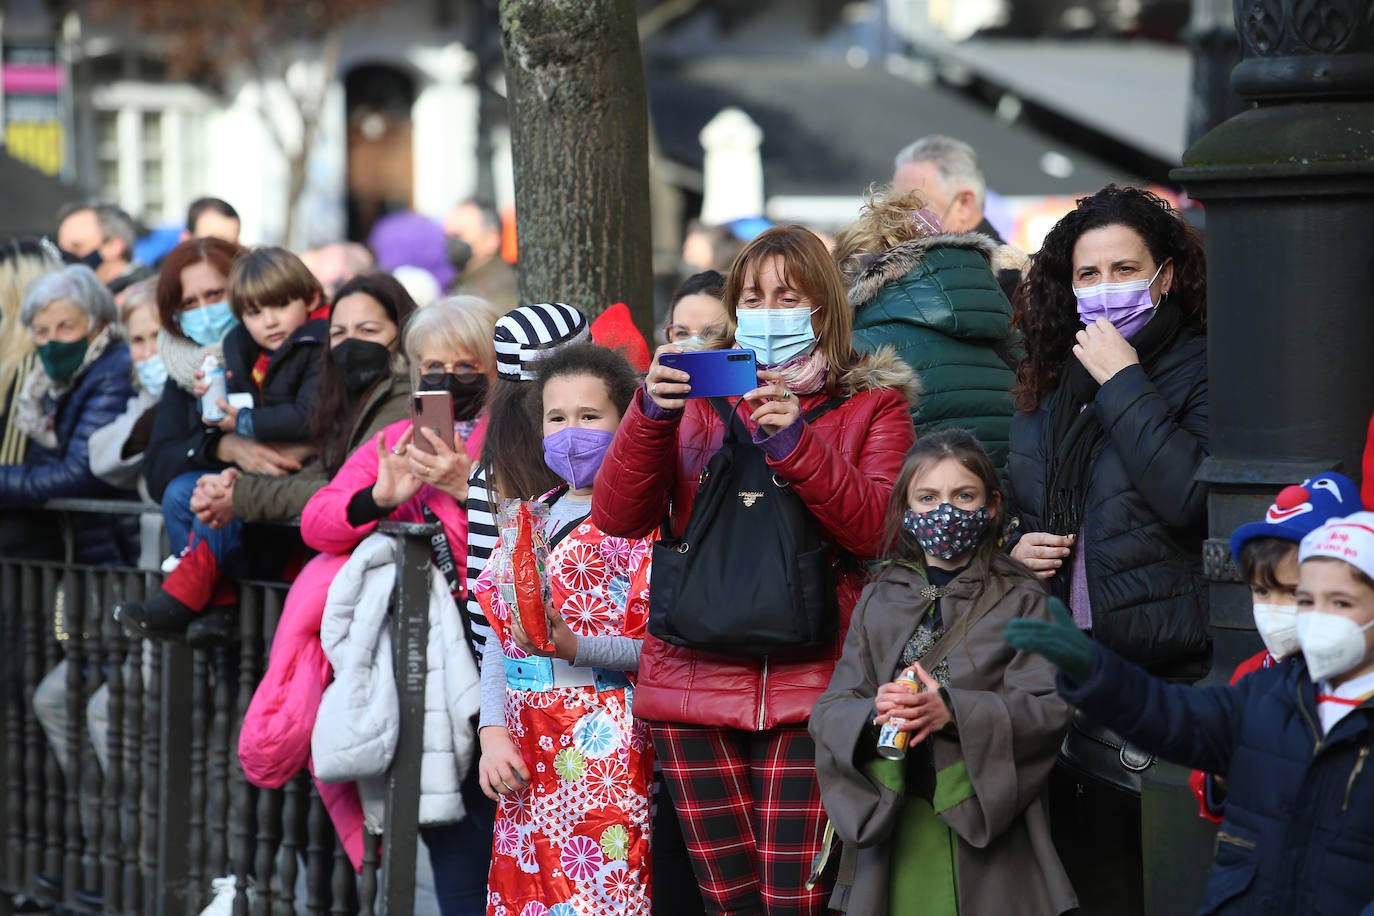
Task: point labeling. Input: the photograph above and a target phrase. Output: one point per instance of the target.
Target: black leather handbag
(1093, 751)
(751, 574)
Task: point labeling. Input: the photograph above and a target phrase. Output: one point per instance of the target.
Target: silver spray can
(217, 390)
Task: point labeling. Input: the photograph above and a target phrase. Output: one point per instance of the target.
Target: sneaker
(23, 903)
(223, 891)
(215, 626)
(158, 617)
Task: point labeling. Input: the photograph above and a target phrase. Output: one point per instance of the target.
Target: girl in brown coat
(959, 825)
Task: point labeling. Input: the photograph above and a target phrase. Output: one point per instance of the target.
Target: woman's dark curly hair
(1046, 312)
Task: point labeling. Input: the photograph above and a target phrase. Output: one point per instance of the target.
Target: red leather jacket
(843, 467)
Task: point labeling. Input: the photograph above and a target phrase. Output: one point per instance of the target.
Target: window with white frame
(150, 140)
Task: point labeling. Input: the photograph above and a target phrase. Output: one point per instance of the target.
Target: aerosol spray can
(217, 391)
(891, 742)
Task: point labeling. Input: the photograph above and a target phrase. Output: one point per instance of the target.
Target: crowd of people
(835, 643)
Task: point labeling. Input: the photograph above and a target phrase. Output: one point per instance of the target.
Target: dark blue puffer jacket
(1298, 836)
(100, 395)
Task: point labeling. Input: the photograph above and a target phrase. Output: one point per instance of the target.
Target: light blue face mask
(775, 335)
(152, 374)
(208, 324)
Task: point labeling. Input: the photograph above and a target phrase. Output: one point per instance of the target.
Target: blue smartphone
(716, 373)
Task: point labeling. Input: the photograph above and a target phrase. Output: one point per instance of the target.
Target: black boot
(215, 626)
(159, 617)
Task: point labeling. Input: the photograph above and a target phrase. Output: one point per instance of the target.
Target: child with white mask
(1267, 553)
(1335, 614)
(1293, 739)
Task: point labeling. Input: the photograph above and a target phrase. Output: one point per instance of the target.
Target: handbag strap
(441, 554)
(995, 590)
(728, 412)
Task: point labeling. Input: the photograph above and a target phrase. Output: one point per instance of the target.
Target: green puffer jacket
(937, 302)
(258, 498)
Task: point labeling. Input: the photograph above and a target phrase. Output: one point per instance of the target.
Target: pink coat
(274, 742)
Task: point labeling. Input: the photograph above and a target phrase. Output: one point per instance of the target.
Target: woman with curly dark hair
(1110, 432)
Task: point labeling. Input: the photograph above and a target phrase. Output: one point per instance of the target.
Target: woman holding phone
(752, 836)
(407, 472)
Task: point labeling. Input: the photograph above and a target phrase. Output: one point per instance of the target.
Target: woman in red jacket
(731, 732)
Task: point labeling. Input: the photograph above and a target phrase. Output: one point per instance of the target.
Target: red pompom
(1292, 497)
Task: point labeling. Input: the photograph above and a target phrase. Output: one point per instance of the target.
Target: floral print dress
(575, 841)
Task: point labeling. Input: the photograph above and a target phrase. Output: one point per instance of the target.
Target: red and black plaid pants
(751, 815)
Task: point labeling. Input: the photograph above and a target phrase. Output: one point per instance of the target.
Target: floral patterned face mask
(947, 531)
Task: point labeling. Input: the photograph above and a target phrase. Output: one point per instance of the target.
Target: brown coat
(1009, 723)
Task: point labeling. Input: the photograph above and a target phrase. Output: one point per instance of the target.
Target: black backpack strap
(820, 410)
(567, 529)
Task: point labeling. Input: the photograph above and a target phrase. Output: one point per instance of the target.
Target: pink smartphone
(433, 410)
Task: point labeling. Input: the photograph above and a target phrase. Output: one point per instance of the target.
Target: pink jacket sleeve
(324, 520)
(274, 742)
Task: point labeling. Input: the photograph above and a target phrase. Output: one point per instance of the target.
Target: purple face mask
(1126, 305)
(575, 454)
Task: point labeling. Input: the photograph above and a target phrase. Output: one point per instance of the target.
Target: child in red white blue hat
(1267, 554)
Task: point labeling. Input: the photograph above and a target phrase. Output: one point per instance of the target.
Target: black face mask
(362, 363)
(459, 252)
(468, 395)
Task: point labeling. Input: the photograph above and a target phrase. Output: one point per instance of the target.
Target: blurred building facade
(399, 127)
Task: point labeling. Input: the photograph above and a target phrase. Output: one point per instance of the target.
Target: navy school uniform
(1298, 835)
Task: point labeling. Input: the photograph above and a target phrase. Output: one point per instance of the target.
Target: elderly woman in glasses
(81, 382)
(450, 349)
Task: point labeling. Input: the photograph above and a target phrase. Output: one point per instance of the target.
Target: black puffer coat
(98, 398)
(181, 442)
(282, 408)
(1146, 514)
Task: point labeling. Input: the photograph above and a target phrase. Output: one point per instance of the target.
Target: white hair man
(947, 171)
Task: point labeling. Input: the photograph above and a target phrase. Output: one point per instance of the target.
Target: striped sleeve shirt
(481, 542)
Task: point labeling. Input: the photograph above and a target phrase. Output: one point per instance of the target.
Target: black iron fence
(125, 795)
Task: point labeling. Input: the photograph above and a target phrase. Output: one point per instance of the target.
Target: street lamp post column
(1288, 187)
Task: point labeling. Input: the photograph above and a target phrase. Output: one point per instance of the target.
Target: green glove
(1062, 642)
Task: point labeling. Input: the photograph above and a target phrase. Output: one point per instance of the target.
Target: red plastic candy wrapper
(529, 583)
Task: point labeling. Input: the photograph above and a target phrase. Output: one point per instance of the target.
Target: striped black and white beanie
(529, 333)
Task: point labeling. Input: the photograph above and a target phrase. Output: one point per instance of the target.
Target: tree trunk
(579, 140)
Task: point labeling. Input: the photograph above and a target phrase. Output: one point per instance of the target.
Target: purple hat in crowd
(409, 238)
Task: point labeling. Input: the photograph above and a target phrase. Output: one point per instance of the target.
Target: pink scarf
(805, 373)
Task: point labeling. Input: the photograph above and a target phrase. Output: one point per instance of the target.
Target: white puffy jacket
(356, 729)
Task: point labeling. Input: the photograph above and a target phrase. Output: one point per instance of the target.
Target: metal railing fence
(149, 804)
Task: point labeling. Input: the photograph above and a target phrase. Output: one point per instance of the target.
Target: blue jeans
(461, 853)
(225, 543)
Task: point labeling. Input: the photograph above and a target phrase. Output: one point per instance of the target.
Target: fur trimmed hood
(866, 274)
(882, 368)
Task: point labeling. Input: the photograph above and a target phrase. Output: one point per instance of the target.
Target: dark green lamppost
(1288, 188)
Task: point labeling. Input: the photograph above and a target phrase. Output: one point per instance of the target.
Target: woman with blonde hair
(22, 261)
(117, 449)
(933, 297)
(833, 428)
